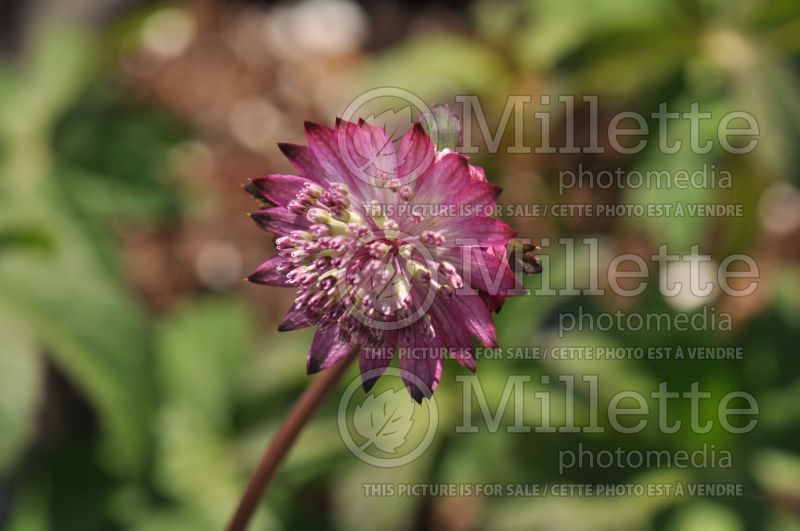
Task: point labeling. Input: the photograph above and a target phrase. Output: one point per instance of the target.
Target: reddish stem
(302, 411)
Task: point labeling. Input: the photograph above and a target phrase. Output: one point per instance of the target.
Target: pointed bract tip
(311, 367)
(367, 384)
(287, 148)
(418, 130)
(311, 127)
(417, 394)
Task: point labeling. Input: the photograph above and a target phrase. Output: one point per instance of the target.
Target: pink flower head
(391, 248)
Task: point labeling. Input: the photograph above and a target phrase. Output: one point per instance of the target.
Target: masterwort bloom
(391, 247)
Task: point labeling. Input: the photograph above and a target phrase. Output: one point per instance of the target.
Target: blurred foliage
(117, 415)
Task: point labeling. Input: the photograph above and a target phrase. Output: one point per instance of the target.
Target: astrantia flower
(391, 249)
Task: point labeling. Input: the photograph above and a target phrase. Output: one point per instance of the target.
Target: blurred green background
(140, 377)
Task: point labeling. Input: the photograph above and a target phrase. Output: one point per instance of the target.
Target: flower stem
(302, 411)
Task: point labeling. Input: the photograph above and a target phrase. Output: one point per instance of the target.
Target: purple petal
(434, 185)
(297, 317)
(279, 220)
(477, 173)
(478, 230)
(326, 350)
(448, 183)
(472, 312)
(374, 360)
(425, 365)
(415, 154)
(428, 372)
(479, 194)
(303, 158)
(482, 269)
(453, 336)
(328, 146)
(268, 274)
(279, 189)
(374, 146)
(494, 302)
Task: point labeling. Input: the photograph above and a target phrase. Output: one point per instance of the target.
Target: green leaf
(20, 387)
(30, 509)
(777, 473)
(57, 282)
(201, 348)
(354, 510)
(97, 336)
(558, 28)
(197, 464)
(58, 66)
(705, 516)
(437, 65)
